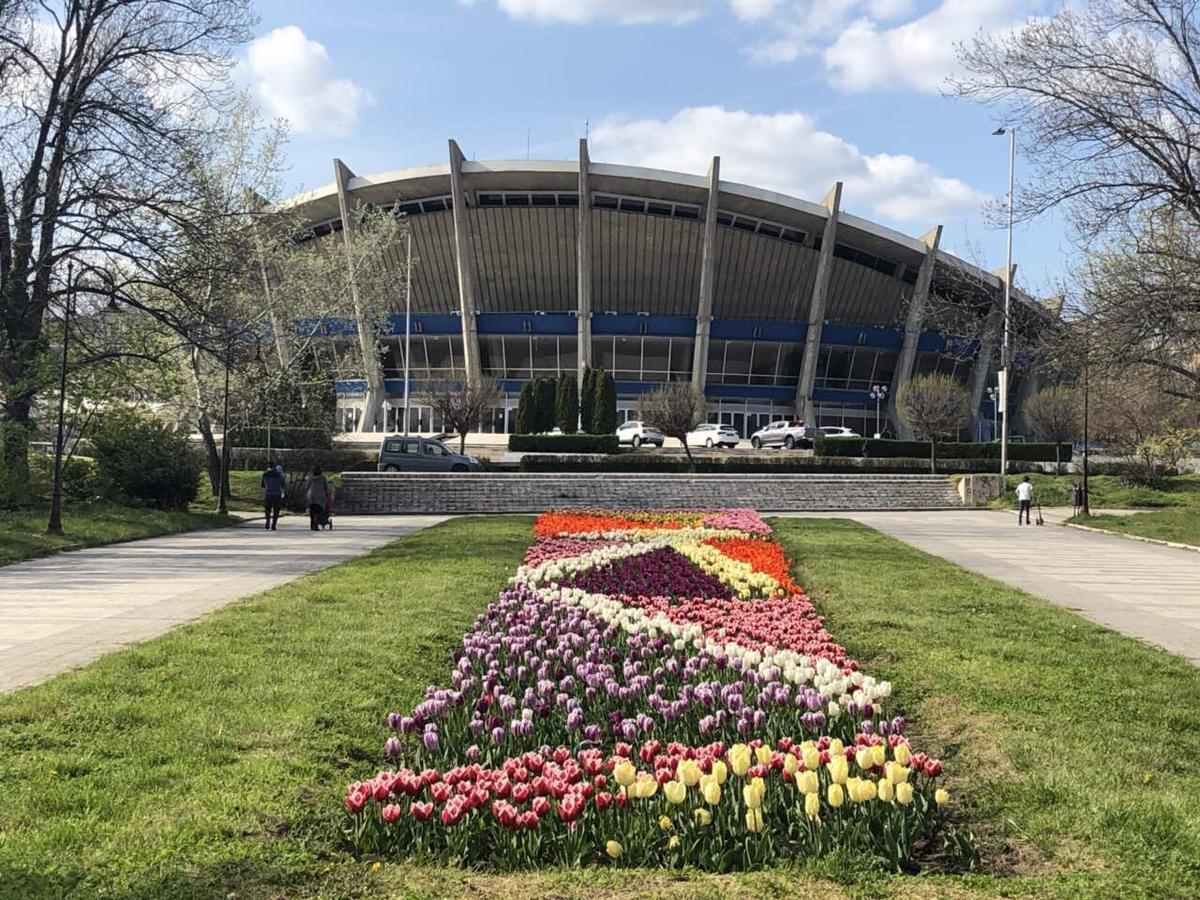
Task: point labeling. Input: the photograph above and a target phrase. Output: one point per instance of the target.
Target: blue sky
(793, 94)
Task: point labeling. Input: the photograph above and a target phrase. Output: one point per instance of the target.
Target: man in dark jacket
(274, 486)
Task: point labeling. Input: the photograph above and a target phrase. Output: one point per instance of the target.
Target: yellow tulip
(613, 849)
(866, 791)
(625, 773)
(791, 765)
(836, 747)
(752, 796)
(808, 783)
(712, 793)
(689, 772)
(839, 769)
(835, 796)
(739, 759)
(664, 822)
(904, 793)
(646, 786)
(941, 796)
(810, 755)
(902, 753)
(878, 754)
(853, 786)
(673, 842)
(674, 791)
(703, 816)
(895, 772)
(863, 758)
(719, 771)
(812, 805)
(754, 820)
(886, 790)
(763, 755)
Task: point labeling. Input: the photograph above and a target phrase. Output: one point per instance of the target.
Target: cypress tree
(604, 417)
(544, 392)
(587, 399)
(566, 405)
(526, 412)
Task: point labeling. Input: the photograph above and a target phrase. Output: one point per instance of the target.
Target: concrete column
(464, 261)
(368, 349)
(816, 308)
(913, 325)
(583, 263)
(708, 276)
(982, 368)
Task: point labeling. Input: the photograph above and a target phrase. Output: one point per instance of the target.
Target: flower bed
(652, 689)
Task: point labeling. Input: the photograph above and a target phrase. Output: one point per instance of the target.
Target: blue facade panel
(505, 323)
(748, 330)
(659, 326)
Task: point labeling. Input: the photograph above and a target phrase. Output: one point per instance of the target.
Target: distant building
(776, 306)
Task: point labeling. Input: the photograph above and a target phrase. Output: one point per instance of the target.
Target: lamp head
(999, 131)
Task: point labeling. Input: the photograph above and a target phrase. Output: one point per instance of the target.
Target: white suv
(837, 431)
(713, 435)
(635, 433)
(782, 433)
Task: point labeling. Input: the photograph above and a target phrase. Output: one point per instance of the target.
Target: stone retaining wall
(485, 492)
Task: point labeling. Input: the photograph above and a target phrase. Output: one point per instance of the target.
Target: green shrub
(544, 392)
(526, 410)
(604, 404)
(750, 465)
(562, 443)
(80, 477)
(284, 437)
(587, 399)
(141, 460)
(889, 449)
(566, 404)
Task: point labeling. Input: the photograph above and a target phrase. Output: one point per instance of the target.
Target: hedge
(563, 443)
(889, 449)
(284, 437)
(782, 465)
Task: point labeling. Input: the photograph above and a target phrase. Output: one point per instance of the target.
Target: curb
(1134, 537)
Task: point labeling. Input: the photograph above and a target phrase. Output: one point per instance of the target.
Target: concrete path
(1142, 590)
(68, 609)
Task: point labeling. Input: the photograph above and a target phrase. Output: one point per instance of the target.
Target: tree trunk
(688, 451)
(933, 457)
(212, 456)
(462, 443)
(1057, 458)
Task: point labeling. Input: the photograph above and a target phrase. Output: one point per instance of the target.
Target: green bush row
(891, 449)
(749, 465)
(563, 443)
(290, 437)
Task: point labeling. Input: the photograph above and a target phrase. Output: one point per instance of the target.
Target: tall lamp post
(994, 396)
(407, 320)
(1006, 350)
(878, 393)
(54, 526)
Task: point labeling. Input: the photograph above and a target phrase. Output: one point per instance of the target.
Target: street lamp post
(1006, 349)
(407, 320)
(222, 505)
(994, 396)
(878, 393)
(54, 526)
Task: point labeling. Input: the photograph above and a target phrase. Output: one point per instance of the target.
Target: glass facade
(854, 368)
(767, 363)
(643, 358)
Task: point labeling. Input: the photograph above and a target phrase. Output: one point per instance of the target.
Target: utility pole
(55, 524)
(407, 319)
(1006, 348)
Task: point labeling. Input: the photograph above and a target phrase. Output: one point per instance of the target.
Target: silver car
(401, 453)
(779, 434)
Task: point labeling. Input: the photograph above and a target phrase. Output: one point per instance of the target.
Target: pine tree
(526, 410)
(566, 406)
(604, 416)
(544, 392)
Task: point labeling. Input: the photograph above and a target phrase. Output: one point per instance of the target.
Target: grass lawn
(1177, 524)
(210, 762)
(23, 533)
(1107, 492)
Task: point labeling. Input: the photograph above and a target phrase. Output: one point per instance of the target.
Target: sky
(792, 94)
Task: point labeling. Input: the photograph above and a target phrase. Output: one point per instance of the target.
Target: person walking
(274, 486)
(318, 489)
(1024, 500)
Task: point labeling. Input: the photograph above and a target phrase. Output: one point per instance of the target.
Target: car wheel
(391, 468)
(637, 442)
(756, 443)
(458, 467)
(789, 441)
(708, 443)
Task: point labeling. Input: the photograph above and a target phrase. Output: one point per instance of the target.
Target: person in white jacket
(1024, 500)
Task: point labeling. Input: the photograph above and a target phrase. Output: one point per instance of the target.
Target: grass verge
(1181, 525)
(23, 532)
(1107, 491)
(210, 762)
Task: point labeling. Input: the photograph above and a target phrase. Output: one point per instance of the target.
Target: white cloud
(293, 77)
(787, 152)
(917, 54)
(626, 12)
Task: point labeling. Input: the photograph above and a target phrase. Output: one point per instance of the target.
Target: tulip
(763, 755)
(613, 849)
(751, 795)
(390, 813)
(886, 790)
(739, 759)
(392, 747)
(879, 755)
(719, 771)
(675, 792)
(673, 843)
(863, 758)
(810, 756)
(625, 773)
(808, 783)
(904, 793)
(790, 764)
(712, 793)
(754, 820)
(902, 754)
(839, 769)
(812, 805)
(835, 795)
(664, 822)
(941, 796)
(703, 816)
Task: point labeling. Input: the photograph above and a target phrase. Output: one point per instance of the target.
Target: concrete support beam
(816, 308)
(913, 325)
(708, 275)
(464, 262)
(992, 327)
(368, 351)
(583, 263)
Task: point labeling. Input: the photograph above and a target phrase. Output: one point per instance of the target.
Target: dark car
(400, 453)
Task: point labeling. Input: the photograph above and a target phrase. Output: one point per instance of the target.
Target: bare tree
(1054, 413)
(674, 409)
(100, 97)
(934, 406)
(461, 404)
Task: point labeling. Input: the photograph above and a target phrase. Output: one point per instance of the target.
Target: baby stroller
(326, 519)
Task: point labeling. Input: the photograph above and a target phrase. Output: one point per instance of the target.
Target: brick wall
(483, 492)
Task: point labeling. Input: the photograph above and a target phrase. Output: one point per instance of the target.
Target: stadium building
(775, 306)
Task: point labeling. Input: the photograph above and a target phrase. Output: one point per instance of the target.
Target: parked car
(783, 433)
(635, 433)
(836, 431)
(713, 435)
(401, 453)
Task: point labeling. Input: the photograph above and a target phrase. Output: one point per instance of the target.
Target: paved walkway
(1142, 590)
(68, 609)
